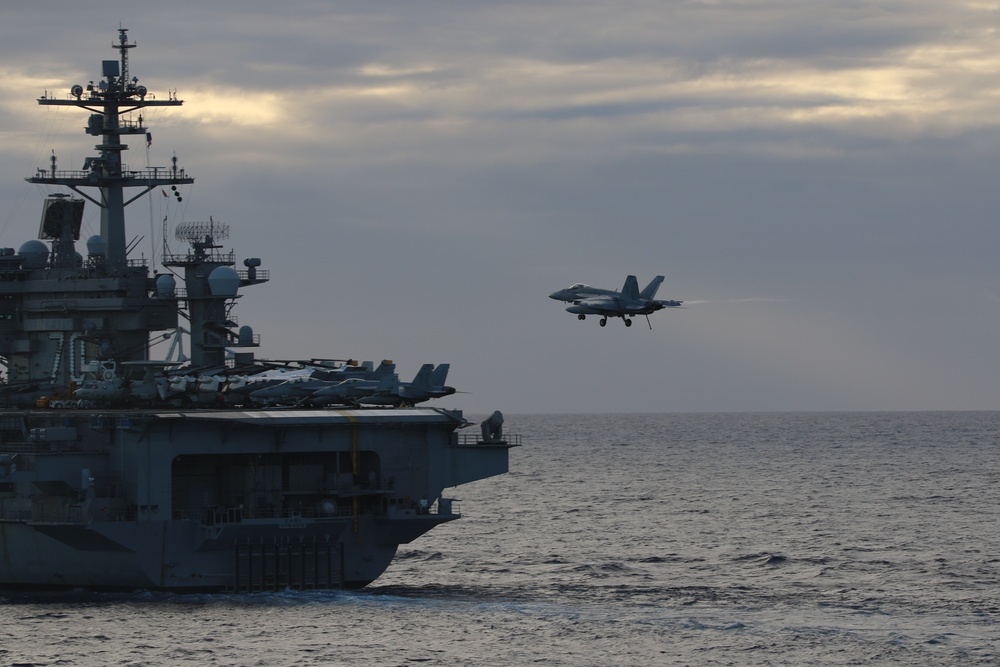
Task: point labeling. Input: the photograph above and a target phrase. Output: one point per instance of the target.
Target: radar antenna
(202, 232)
(202, 236)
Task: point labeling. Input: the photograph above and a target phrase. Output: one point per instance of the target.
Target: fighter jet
(427, 384)
(313, 385)
(435, 387)
(240, 387)
(291, 391)
(348, 391)
(626, 304)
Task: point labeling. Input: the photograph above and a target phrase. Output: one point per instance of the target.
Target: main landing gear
(604, 320)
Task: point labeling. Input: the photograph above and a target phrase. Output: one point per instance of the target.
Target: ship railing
(95, 267)
(178, 293)
(240, 514)
(155, 173)
(15, 514)
(140, 174)
(475, 439)
(259, 275)
(72, 514)
(23, 447)
(66, 514)
(65, 174)
(253, 341)
(20, 447)
(210, 257)
(408, 506)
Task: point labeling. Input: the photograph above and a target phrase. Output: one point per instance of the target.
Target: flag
(164, 192)
(149, 139)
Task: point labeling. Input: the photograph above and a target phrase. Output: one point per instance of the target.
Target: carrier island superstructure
(120, 471)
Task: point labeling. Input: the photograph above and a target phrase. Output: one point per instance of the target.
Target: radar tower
(108, 100)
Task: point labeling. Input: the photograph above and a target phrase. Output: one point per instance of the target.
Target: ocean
(645, 539)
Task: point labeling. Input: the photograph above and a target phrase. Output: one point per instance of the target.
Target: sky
(815, 180)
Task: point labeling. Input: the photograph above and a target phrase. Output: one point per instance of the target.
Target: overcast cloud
(816, 180)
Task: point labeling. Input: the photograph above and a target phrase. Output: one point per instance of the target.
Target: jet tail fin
(650, 290)
(440, 375)
(631, 288)
(423, 376)
(385, 368)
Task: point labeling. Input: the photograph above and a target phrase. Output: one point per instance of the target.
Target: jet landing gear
(604, 320)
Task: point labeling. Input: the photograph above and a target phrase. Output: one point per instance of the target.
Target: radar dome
(35, 254)
(165, 285)
(96, 245)
(246, 336)
(224, 281)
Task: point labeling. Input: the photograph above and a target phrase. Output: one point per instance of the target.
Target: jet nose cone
(557, 295)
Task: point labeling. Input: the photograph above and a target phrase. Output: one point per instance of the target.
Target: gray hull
(235, 501)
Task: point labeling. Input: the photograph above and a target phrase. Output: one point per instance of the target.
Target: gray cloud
(419, 176)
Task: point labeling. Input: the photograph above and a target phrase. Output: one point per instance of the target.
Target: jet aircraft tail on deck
(440, 375)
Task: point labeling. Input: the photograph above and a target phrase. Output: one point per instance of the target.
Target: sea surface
(666, 539)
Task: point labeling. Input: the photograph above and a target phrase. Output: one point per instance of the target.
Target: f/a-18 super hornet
(429, 383)
(587, 300)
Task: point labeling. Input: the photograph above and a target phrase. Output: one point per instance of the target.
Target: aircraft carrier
(213, 472)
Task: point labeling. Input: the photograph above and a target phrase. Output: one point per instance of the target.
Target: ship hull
(178, 556)
(225, 501)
